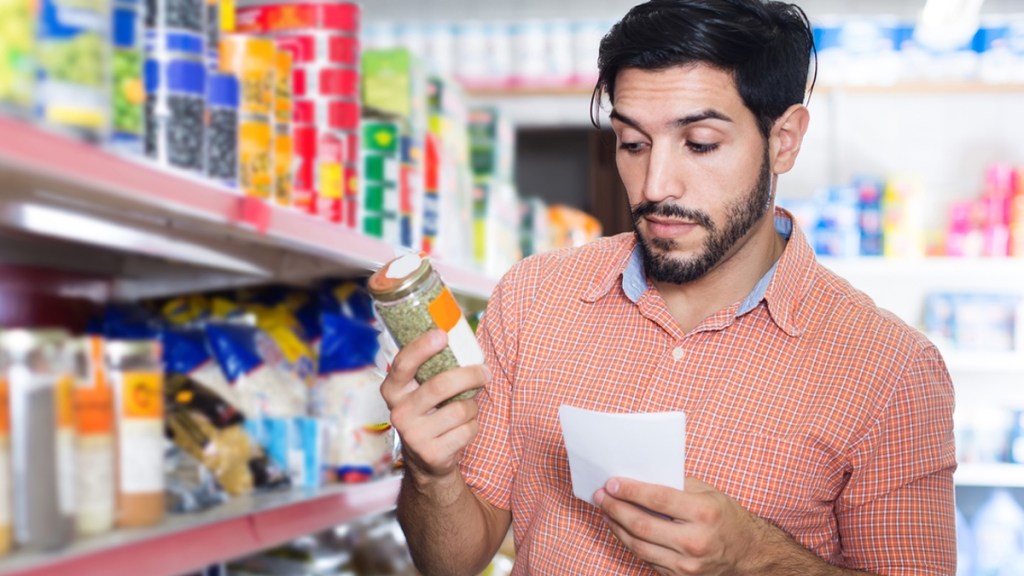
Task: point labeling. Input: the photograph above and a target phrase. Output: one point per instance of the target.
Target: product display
(95, 466)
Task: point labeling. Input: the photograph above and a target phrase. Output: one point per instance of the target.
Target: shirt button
(678, 353)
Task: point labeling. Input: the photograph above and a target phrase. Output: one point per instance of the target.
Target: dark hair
(766, 46)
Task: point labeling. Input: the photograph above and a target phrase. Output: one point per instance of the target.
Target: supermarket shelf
(985, 363)
(71, 191)
(990, 474)
(193, 541)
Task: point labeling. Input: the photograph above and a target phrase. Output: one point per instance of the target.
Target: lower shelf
(193, 541)
(990, 474)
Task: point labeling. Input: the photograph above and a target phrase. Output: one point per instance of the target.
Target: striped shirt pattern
(814, 409)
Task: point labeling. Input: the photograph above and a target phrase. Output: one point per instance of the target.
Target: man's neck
(728, 282)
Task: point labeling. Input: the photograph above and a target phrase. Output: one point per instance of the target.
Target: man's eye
(699, 148)
(631, 147)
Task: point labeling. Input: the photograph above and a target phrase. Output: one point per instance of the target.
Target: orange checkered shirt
(814, 409)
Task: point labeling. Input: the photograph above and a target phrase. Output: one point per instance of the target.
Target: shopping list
(649, 447)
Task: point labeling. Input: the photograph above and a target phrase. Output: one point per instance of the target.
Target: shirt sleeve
(896, 515)
(488, 464)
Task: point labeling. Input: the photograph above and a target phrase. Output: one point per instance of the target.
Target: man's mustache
(671, 211)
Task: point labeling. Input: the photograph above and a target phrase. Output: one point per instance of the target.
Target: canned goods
(222, 129)
(175, 110)
(135, 374)
(270, 17)
(316, 80)
(73, 52)
(129, 93)
(283, 142)
(412, 299)
(212, 26)
(252, 60)
(255, 157)
(327, 113)
(43, 437)
(178, 15)
(320, 47)
(283, 89)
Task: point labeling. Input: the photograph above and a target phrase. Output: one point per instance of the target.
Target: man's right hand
(432, 437)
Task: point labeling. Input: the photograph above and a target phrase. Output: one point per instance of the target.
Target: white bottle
(998, 533)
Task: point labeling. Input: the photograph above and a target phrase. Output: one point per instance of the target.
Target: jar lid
(399, 277)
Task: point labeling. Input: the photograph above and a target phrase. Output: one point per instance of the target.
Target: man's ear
(787, 136)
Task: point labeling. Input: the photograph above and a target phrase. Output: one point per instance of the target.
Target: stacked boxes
(395, 90)
(495, 201)
(322, 39)
(451, 239)
(381, 160)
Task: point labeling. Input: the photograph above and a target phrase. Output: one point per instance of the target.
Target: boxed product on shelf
(72, 50)
(448, 124)
(128, 94)
(17, 44)
(976, 321)
(492, 144)
(571, 227)
(381, 161)
(534, 226)
(495, 225)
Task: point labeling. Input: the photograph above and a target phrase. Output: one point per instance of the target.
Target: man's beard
(741, 216)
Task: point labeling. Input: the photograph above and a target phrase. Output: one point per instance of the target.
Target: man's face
(694, 164)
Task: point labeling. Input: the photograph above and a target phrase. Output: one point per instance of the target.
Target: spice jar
(94, 446)
(412, 299)
(43, 437)
(135, 374)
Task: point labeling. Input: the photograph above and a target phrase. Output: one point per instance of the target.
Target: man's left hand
(696, 531)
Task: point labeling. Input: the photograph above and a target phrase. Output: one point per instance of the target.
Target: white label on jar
(66, 470)
(463, 344)
(141, 455)
(95, 477)
(5, 484)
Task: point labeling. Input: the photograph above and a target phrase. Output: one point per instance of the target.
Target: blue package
(235, 347)
(347, 344)
(184, 350)
(310, 436)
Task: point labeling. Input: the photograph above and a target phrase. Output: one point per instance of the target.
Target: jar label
(95, 474)
(141, 456)
(445, 311)
(142, 395)
(463, 344)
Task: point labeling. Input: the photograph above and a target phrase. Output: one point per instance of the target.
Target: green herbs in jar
(412, 299)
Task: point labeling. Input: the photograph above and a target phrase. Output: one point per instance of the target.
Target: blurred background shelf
(193, 541)
(75, 206)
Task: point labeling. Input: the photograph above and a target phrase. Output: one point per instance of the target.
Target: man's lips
(669, 227)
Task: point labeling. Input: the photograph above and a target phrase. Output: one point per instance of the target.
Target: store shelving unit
(243, 525)
(74, 192)
(71, 206)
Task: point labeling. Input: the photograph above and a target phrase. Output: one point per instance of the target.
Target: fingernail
(612, 486)
(599, 497)
(437, 337)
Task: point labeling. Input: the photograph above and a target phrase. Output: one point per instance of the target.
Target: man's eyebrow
(700, 116)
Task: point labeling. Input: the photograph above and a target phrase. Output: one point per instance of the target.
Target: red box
(320, 47)
(327, 113)
(313, 80)
(277, 17)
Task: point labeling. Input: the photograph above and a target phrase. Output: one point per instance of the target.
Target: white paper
(647, 447)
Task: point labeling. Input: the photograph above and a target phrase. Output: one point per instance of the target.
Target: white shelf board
(990, 474)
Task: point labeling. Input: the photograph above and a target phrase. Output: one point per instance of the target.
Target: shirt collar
(782, 286)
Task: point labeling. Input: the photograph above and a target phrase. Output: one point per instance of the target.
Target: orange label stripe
(445, 310)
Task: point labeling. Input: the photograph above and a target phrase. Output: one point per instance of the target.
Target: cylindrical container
(322, 37)
(212, 25)
(175, 81)
(252, 60)
(222, 129)
(43, 437)
(6, 533)
(283, 141)
(95, 489)
(72, 58)
(134, 372)
(412, 299)
(17, 68)
(127, 88)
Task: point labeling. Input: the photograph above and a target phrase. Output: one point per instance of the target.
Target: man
(819, 428)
